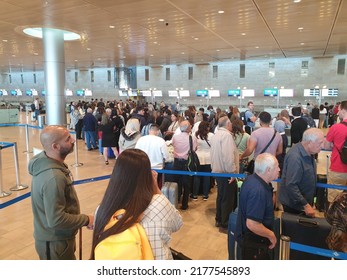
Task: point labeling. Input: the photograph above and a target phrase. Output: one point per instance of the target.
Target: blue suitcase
(170, 190)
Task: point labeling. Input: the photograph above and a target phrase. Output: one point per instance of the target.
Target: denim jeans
(90, 139)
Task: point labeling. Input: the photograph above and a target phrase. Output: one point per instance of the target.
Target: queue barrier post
(284, 247)
(27, 139)
(18, 186)
(76, 164)
(2, 193)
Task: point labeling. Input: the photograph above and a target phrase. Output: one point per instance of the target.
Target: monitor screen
(19, 92)
(34, 92)
(123, 93)
(173, 93)
(3, 92)
(80, 92)
(132, 93)
(13, 92)
(184, 93)
(157, 93)
(28, 92)
(146, 93)
(311, 92)
(326, 92)
(270, 92)
(43, 92)
(286, 92)
(68, 92)
(214, 93)
(88, 92)
(248, 92)
(234, 92)
(202, 92)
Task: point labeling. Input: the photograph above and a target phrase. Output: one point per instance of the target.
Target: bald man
(55, 204)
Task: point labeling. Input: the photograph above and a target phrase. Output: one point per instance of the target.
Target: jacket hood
(129, 137)
(41, 163)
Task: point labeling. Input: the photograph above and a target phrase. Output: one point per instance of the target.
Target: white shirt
(203, 149)
(156, 149)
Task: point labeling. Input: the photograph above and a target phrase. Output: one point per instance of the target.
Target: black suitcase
(234, 250)
(321, 193)
(306, 231)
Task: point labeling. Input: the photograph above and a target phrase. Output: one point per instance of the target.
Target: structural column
(54, 65)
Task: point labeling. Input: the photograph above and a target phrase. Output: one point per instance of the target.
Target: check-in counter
(9, 115)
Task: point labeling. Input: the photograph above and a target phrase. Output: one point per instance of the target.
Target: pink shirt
(337, 135)
(180, 142)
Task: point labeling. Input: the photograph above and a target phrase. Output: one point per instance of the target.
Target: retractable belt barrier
(292, 245)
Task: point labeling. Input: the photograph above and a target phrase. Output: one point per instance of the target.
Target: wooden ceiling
(163, 32)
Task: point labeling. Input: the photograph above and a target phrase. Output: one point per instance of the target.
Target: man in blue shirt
(299, 174)
(254, 229)
(250, 118)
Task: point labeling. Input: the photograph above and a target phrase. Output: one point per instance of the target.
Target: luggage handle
(307, 223)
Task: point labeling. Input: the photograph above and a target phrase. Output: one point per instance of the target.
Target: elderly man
(299, 174)
(54, 201)
(254, 229)
(224, 159)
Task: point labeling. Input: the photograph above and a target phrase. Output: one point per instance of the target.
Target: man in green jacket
(55, 204)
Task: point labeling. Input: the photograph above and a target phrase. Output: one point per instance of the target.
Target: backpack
(343, 152)
(243, 117)
(131, 244)
(32, 107)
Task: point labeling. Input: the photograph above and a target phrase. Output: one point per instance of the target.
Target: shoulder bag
(193, 162)
(250, 167)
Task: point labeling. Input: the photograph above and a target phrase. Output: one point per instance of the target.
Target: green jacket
(54, 201)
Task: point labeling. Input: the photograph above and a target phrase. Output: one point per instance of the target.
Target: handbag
(193, 162)
(250, 166)
(178, 255)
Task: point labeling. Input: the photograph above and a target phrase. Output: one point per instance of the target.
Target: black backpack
(343, 152)
(243, 117)
(32, 107)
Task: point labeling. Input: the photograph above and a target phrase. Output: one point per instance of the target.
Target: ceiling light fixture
(37, 33)
(112, 26)
(220, 12)
(161, 19)
(243, 34)
(297, 1)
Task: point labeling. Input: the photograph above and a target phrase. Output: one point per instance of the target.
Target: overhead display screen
(326, 92)
(122, 93)
(88, 92)
(146, 93)
(234, 92)
(270, 92)
(248, 92)
(68, 92)
(157, 93)
(214, 93)
(173, 93)
(286, 92)
(202, 92)
(311, 92)
(184, 93)
(80, 92)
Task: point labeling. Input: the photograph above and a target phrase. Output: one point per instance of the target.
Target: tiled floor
(198, 238)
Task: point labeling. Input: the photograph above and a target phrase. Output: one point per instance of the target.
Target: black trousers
(183, 182)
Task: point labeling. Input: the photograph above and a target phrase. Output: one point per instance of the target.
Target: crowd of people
(157, 136)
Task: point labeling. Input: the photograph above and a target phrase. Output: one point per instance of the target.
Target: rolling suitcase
(306, 231)
(170, 190)
(321, 202)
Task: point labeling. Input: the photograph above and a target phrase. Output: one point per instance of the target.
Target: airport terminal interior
(199, 239)
(278, 53)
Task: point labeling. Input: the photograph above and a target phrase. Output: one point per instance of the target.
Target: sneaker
(90, 149)
(205, 198)
(194, 197)
(106, 162)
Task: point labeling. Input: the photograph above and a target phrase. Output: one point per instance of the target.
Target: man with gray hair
(180, 142)
(224, 159)
(299, 174)
(255, 219)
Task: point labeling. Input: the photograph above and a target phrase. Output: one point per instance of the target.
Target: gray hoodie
(54, 201)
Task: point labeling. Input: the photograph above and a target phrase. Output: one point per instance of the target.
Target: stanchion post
(2, 193)
(27, 139)
(285, 247)
(76, 164)
(18, 186)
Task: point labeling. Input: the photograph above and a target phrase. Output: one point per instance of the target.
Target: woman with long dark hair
(240, 138)
(139, 195)
(202, 139)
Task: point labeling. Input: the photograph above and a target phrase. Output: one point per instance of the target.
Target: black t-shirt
(299, 125)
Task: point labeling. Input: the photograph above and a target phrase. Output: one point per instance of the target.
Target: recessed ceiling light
(182, 52)
(88, 49)
(257, 47)
(196, 38)
(243, 34)
(37, 32)
(302, 44)
(297, 1)
(151, 55)
(220, 12)
(217, 50)
(5, 40)
(300, 28)
(161, 19)
(112, 26)
(119, 46)
(35, 53)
